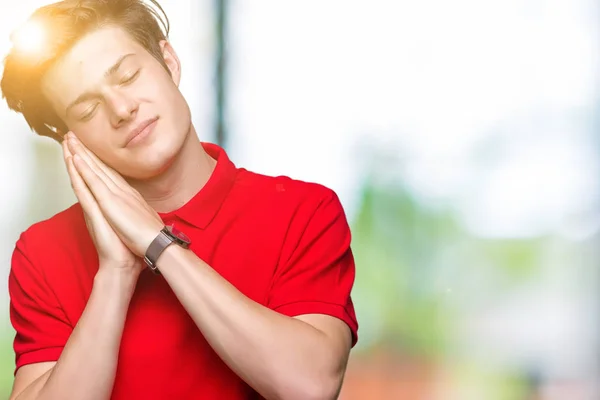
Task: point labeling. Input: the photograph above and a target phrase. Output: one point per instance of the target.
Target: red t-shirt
(283, 243)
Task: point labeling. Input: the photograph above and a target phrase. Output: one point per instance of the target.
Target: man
(109, 298)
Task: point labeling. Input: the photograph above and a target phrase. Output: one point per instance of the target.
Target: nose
(123, 108)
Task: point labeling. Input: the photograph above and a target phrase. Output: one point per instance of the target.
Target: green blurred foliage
(395, 241)
(420, 270)
(7, 364)
(409, 254)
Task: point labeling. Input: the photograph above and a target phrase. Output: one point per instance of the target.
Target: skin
(121, 188)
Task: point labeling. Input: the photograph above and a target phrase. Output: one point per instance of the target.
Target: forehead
(86, 62)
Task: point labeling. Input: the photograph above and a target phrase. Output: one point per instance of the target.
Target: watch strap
(156, 248)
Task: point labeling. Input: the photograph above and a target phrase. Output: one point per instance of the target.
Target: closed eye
(129, 78)
(89, 113)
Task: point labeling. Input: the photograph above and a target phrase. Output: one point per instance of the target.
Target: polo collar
(201, 209)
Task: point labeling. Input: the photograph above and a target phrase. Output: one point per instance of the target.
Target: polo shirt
(283, 243)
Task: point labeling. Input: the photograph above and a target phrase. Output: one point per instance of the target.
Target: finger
(113, 175)
(66, 151)
(77, 148)
(108, 171)
(97, 186)
(82, 192)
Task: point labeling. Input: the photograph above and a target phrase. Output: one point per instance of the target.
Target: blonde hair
(66, 22)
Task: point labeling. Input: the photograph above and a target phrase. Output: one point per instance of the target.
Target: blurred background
(462, 139)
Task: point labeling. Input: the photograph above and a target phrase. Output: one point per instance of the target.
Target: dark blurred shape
(221, 9)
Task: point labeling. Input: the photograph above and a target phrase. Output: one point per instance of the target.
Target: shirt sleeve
(316, 270)
(40, 324)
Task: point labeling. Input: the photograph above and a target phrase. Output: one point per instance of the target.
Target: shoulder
(48, 242)
(67, 224)
(292, 207)
(286, 191)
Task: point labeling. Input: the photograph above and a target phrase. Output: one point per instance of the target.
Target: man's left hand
(132, 218)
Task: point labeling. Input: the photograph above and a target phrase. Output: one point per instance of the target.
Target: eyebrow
(88, 95)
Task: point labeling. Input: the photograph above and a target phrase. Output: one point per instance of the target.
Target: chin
(156, 163)
(157, 156)
(150, 162)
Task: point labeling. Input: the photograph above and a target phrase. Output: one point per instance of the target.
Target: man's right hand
(112, 253)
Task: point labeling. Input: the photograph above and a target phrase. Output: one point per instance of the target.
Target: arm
(280, 357)
(87, 364)
(86, 368)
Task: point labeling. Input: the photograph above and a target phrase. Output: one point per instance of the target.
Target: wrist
(149, 238)
(121, 279)
(168, 237)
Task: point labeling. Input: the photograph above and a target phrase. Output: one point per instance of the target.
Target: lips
(142, 130)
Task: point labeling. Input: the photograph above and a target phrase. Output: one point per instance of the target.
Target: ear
(54, 132)
(171, 60)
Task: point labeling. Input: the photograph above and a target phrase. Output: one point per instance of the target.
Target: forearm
(275, 354)
(87, 365)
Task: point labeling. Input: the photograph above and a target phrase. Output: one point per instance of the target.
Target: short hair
(66, 22)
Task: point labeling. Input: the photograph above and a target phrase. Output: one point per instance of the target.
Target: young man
(109, 298)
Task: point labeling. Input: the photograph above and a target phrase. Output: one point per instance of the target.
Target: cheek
(97, 138)
(172, 107)
(162, 88)
(106, 154)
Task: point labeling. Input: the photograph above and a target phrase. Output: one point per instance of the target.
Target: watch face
(178, 234)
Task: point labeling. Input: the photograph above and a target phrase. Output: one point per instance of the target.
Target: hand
(129, 215)
(111, 250)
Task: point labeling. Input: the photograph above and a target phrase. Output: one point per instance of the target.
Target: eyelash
(130, 78)
(90, 114)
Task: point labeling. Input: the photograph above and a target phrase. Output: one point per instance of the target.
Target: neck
(182, 180)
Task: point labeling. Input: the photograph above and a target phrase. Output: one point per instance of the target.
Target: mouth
(140, 132)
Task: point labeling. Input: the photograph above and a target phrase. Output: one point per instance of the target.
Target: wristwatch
(167, 236)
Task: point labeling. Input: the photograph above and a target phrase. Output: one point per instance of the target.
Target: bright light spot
(29, 38)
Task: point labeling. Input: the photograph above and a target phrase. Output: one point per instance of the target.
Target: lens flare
(30, 38)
